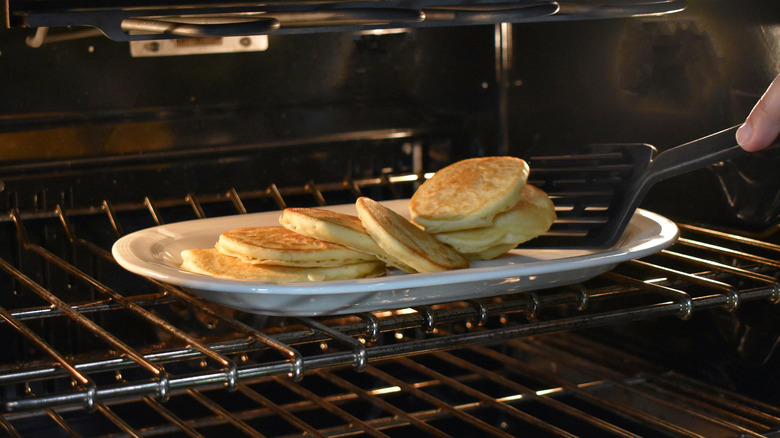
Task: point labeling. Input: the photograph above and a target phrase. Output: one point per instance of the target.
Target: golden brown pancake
(490, 253)
(215, 264)
(405, 241)
(530, 217)
(469, 193)
(340, 228)
(280, 246)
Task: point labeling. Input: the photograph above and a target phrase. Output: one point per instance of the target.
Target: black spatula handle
(697, 154)
(705, 151)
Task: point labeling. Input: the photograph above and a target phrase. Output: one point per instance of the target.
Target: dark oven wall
(300, 86)
(324, 108)
(659, 80)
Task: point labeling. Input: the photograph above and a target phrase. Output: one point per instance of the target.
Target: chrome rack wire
(68, 356)
(585, 389)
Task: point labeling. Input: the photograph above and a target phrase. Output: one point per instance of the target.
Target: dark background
(658, 80)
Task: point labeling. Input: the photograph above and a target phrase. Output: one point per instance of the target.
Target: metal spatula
(597, 190)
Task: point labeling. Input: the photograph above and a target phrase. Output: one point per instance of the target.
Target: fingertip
(746, 139)
(743, 135)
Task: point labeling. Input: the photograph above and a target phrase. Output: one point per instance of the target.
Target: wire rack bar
(696, 407)
(642, 416)
(439, 404)
(234, 196)
(331, 408)
(224, 413)
(278, 410)
(732, 237)
(729, 402)
(180, 425)
(484, 398)
(600, 372)
(381, 403)
(526, 392)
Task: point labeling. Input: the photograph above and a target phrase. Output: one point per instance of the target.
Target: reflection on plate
(155, 253)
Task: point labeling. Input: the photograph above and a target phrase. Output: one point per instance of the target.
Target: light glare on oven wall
(378, 32)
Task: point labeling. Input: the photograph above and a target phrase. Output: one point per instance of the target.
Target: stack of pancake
(319, 245)
(278, 255)
(377, 231)
(471, 210)
(482, 207)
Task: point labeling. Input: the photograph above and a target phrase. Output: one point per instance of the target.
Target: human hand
(763, 124)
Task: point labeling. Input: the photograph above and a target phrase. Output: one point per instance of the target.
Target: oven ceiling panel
(128, 22)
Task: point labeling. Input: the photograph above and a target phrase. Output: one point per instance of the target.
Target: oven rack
(706, 269)
(589, 390)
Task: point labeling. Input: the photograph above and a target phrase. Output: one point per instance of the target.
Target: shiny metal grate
(554, 385)
(88, 344)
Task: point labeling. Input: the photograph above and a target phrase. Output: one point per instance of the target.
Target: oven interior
(97, 142)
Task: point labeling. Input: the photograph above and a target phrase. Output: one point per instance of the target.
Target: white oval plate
(155, 253)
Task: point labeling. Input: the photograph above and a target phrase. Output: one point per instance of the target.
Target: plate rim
(124, 253)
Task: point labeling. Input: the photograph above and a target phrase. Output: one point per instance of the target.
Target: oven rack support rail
(725, 269)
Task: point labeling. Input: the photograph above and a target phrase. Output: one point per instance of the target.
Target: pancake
(530, 217)
(215, 264)
(469, 193)
(280, 246)
(405, 241)
(490, 253)
(339, 228)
